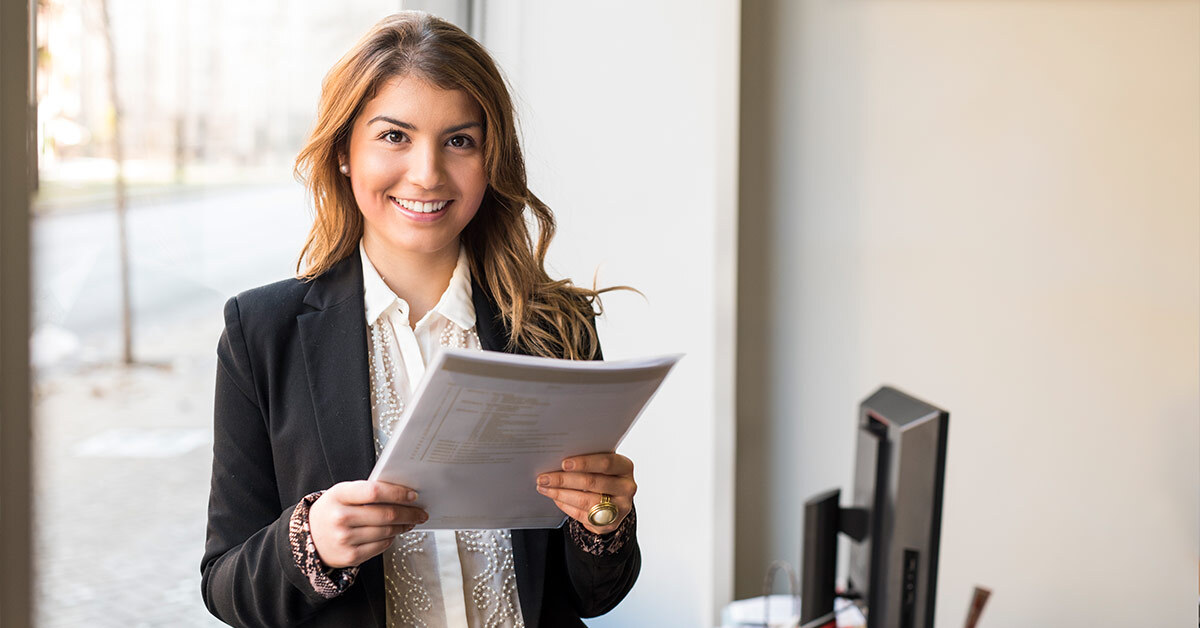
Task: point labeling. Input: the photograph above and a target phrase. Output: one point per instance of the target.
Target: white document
(482, 425)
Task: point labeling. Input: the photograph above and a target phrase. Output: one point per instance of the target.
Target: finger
(371, 550)
(384, 515)
(373, 492)
(367, 535)
(590, 482)
(343, 517)
(607, 464)
(582, 500)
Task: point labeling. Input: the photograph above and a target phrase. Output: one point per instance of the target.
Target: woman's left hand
(583, 479)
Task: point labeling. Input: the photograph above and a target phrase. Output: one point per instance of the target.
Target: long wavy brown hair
(543, 316)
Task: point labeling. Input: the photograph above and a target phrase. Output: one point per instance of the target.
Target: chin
(423, 247)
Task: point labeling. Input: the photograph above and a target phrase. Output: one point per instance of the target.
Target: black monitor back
(899, 475)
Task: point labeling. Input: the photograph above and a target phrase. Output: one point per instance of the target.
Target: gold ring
(603, 513)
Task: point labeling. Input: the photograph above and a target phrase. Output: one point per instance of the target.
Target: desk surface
(783, 611)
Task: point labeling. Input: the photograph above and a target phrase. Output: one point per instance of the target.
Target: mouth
(420, 207)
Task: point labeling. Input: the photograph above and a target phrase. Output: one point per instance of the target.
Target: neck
(418, 278)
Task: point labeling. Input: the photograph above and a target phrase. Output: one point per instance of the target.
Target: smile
(420, 207)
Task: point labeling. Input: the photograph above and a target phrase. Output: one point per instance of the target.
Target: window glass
(212, 102)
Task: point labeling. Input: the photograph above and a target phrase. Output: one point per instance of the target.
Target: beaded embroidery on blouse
(497, 606)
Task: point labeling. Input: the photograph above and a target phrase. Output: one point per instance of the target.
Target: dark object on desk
(895, 520)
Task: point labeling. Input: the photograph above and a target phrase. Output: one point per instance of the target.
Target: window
(170, 199)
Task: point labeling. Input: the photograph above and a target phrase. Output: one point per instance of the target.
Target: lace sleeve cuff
(603, 544)
(328, 583)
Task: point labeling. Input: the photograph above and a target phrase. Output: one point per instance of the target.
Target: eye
(461, 141)
(393, 136)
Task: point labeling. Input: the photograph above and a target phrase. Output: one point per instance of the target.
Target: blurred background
(993, 205)
(165, 134)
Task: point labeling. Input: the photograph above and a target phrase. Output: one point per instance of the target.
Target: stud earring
(345, 168)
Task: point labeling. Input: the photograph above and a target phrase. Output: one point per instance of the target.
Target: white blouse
(440, 578)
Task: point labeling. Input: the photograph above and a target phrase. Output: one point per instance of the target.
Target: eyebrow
(405, 125)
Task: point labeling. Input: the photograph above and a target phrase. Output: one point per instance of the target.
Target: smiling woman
(420, 241)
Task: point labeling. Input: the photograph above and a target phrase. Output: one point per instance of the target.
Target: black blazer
(293, 416)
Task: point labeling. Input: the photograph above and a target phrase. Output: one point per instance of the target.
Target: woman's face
(416, 166)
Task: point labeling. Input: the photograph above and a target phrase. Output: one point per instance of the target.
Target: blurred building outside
(213, 93)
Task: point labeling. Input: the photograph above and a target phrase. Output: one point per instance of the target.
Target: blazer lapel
(334, 341)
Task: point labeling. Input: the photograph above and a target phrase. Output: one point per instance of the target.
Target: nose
(425, 167)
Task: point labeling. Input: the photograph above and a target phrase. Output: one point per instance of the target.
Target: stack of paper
(482, 425)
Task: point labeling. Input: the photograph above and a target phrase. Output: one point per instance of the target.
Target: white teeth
(419, 207)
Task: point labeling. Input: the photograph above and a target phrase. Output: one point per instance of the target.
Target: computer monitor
(894, 521)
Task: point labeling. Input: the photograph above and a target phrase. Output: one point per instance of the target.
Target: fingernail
(544, 480)
(412, 496)
(542, 489)
(568, 465)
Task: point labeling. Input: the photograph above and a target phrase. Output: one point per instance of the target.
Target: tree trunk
(119, 184)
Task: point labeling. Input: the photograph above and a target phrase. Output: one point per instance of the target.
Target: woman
(419, 241)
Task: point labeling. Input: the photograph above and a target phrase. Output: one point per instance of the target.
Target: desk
(783, 612)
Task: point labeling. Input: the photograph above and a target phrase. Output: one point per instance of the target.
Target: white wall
(629, 112)
(994, 205)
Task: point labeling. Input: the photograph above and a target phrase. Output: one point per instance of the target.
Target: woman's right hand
(354, 521)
